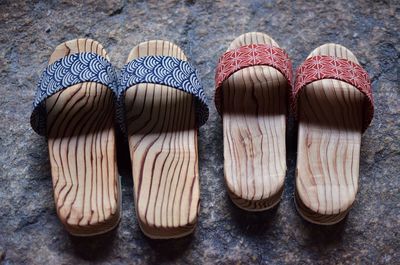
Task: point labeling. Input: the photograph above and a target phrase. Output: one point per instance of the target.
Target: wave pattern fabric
(68, 71)
(163, 70)
(324, 67)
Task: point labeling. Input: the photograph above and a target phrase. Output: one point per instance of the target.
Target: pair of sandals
(332, 102)
(158, 103)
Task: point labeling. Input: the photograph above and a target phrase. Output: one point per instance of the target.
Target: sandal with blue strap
(75, 109)
(162, 105)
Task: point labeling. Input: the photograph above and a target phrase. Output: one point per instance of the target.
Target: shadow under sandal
(252, 88)
(74, 108)
(163, 103)
(333, 102)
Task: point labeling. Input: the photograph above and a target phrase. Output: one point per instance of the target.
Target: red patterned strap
(246, 56)
(329, 67)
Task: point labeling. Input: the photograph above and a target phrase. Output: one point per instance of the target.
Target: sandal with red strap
(333, 103)
(252, 84)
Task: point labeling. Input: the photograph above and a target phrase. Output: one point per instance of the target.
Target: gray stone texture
(30, 232)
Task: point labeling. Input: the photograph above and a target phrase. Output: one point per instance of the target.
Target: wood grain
(81, 142)
(254, 127)
(163, 148)
(329, 138)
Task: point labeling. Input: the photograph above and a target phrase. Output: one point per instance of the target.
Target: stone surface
(30, 232)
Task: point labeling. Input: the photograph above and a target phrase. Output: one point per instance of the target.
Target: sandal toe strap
(328, 67)
(247, 56)
(68, 71)
(163, 70)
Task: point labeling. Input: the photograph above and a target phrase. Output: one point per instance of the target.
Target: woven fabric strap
(329, 67)
(68, 71)
(164, 70)
(246, 56)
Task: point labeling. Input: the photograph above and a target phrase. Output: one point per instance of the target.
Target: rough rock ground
(30, 232)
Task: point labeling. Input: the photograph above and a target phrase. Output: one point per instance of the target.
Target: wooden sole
(81, 142)
(254, 128)
(329, 139)
(162, 138)
(316, 218)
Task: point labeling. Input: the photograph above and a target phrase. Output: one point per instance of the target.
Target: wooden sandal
(333, 102)
(74, 108)
(160, 95)
(252, 84)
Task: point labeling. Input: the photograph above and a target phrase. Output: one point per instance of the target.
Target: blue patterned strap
(68, 71)
(168, 71)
